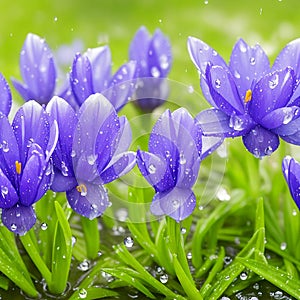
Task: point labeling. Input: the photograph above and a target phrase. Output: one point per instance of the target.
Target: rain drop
(91, 159)
(252, 61)
(73, 153)
(269, 150)
(183, 230)
(155, 72)
(189, 255)
(164, 278)
(84, 266)
(190, 89)
(5, 147)
(274, 81)
(175, 204)
(82, 294)
(288, 117)
(152, 169)
(243, 276)
(222, 194)
(218, 83)
(4, 190)
(64, 169)
(13, 227)
(163, 62)
(44, 226)
(243, 47)
(283, 246)
(55, 19)
(128, 242)
(237, 74)
(74, 240)
(227, 260)
(182, 159)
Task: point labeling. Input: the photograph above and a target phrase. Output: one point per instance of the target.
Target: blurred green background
(271, 23)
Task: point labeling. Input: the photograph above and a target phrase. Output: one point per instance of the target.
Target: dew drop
(190, 89)
(274, 81)
(175, 204)
(252, 61)
(283, 246)
(163, 62)
(128, 242)
(4, 191)
(55, 19)
(222, 194)
(243, 276)
(183, 230)
(155, 72)
(5, 147)
(151, 169)
(64, 169)
(13, 227)
(84, 265)
(82, 293)
(182, 159)
(44, 226)
(288, 117)
(91, 159)
(237, 74)
(243, 47)
(189, 255)
(218, 83)
(164, 278)
(227, 260)
(73, 153)
(256, 286)
(74, 240)
(269, 150)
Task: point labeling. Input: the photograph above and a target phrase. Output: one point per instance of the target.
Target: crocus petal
(88, 200)
(62, 183)
(261, 142)
(81, 78)
(121, 85)
(23, 90)
(280, 116)
(289, 57)
(247, 64)
(118, 166)
(156, 170)
(31, 124)
(139, 49)
(210, 144)
(37, 68)
(64, 114)
(9, 152)
(5, 96)
(291, 171)
(177, 203)
(160, 55)
(271, 92)
(124, 136)
(94, 137)
(32, 175)
(100, 59)
(202, 54)
(8, 194)
(223, 90)
(19, 219)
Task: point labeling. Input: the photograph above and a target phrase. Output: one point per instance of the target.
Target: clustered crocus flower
(249, 98)
(91, 73)
(153, 56)
(171, 166)
(25, 166)
(92, 150)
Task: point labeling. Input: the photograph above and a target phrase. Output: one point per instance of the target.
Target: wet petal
(37, 68)
(81, 78)
(160, 55)
(261, 142)
(139, 50)
(118, 166)
(124, 136)
(121, 85)
(202, 54)
(280, 116)
(223, 90)
(156, 170)
(19, 219)
(100, 59)
(271, 92)
(8, 194)
(177, 203)
(289, 57)
(62, 183)
(5, 96)
(31, 124)
(88, 200)
(248, 65)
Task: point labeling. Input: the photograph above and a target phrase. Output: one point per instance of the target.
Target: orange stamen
(248, 96)
(81, 188)
(18, 167)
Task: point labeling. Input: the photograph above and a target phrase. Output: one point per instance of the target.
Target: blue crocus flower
(25, 168)
(91, 73)
(154, 60)
(91, 151)
(249, 99)
(171, 166)
(37, 69)
(291, 172)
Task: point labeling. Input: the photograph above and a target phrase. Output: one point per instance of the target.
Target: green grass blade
(91, 237)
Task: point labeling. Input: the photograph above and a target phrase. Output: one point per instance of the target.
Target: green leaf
(274, 275)
(91, 236)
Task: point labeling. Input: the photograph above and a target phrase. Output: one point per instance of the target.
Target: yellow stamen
(248, 96)
(81, 189)
(18, 167)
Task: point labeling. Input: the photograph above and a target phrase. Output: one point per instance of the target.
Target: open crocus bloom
(249, 99)
(92, 150)
(25, 168)
(171, 166)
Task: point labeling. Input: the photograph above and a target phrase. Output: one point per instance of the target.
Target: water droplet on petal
(13, 227)
(64, 169)
(288, 117)
(73, 153)
(243, 47)
(155, 72)
(274, 81)
(151, 169)
(4, 191)
(217, 83)
(182, 159)
(91, 159)
(163, 62)
(5, 147)
(252, 61)
(269, 150)
(128, 242)
(237, 74)
(175, 204)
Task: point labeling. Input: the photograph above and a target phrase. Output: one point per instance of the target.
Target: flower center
(18, 167)
(248, 96)
(82, 189)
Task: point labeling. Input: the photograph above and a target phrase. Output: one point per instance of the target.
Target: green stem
(91, 236)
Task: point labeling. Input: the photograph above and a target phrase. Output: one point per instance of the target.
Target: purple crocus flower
(91, 151)
(5, 96)
(154, 59)
(37, 69)
(25, 168)
(171, 166)
(91, 73)
(291, 172)
(249, 99)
